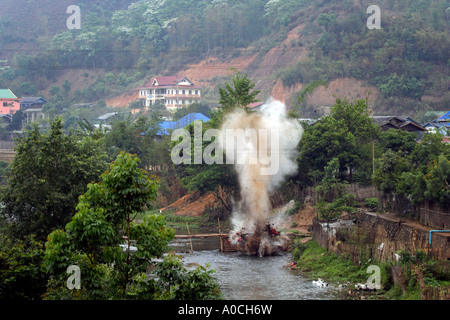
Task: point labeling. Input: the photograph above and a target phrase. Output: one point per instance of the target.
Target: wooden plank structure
(224, 238)
(201, 235)
(225, 244)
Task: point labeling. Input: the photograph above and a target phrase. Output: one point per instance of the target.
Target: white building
(173, 92)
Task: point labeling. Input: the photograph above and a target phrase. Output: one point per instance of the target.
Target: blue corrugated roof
(167, 126)
(446, 116)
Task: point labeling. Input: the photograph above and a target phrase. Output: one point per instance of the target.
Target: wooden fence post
(220, 236)
(190, 239)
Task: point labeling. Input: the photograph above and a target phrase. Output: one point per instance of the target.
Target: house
(9, 103)
(167, 126)
(394, 122)
(32, 102)
(32, 108)
(445, 119)
(106, 119)
(436, 127)
(400, 123)
(173, 92)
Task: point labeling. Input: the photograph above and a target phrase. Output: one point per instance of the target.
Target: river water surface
(243, 277)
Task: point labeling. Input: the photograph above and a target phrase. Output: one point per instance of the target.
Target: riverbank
(413, 277)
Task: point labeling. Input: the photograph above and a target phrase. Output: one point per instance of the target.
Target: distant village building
(394, 122)
(436, 127)
(445, 119)
(9, 103)
(173, 92)
(166, 127)
(106, 119)
(400, 123)
(32, 108)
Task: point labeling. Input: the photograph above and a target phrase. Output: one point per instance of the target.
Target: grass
(318, 263)
(177, 222)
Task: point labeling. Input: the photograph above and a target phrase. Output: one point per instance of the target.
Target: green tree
(66, 87)
(437, 181)
(16, 121)
(126, 135)
(397, 140)
(202, 176)
(175, 282)
(240, 95)
(429, 148)
(48, 174)
(388, 171)
(330, 183)
(22, 275)
(27, 89)
(333, 200)
(354, 117)
(345, 134)
(92, 240)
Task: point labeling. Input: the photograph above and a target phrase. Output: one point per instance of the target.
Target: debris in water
(320, 283)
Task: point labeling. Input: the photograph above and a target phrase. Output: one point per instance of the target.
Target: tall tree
(92, 240)
(48, 174)
(344, 134)
(240, 95)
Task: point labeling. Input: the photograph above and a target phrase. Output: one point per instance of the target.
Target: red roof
(166, 82)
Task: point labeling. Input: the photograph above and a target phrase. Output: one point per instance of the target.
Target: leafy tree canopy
(92, 241)
(240, 95)
(49, 172)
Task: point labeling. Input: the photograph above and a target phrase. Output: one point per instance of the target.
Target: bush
(371, 203)
(21, 273)
(294, 209)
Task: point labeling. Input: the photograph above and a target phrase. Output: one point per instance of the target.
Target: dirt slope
(192, 204)
(122, 100)
(340, 88)
(204, 72)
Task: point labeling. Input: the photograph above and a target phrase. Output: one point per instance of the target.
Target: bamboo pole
(220, 236)
(190, 239)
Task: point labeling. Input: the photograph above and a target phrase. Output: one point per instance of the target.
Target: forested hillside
(97, 193)
(288, 43)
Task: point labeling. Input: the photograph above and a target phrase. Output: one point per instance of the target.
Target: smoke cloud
(262, 147)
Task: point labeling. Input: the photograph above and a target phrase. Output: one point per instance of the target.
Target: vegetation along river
(244, 277)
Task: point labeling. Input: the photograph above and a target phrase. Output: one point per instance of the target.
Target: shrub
(371, 203)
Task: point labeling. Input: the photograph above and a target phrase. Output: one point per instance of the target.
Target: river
(243, 277)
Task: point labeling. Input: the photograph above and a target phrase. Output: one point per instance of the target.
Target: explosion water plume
(263, 157)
